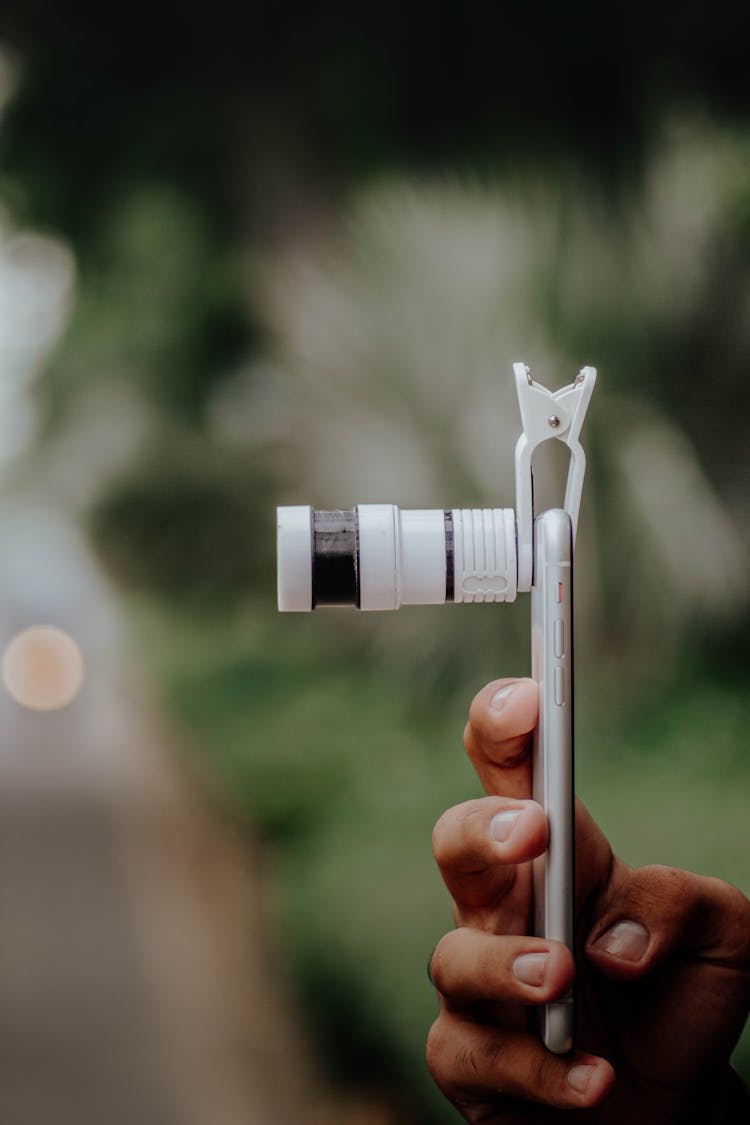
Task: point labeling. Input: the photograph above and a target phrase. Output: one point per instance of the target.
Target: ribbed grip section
(484, 555)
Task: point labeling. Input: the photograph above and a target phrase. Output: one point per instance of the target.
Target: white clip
(544, 415)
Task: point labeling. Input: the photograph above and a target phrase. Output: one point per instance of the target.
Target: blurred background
(252, 257)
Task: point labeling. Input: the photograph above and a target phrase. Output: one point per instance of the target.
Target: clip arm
(544, 415)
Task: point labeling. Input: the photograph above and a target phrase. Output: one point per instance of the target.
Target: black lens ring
(335, 568)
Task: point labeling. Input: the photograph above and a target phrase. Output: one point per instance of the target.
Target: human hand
(662, 969)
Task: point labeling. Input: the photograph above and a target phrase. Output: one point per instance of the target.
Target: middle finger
(479, 846)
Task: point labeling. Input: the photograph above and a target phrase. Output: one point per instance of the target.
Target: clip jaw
(544, 415)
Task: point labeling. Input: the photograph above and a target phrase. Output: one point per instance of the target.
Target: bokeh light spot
(43, 668)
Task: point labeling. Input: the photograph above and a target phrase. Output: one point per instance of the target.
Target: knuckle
(535, 1078)
(738, 906)
(540, 1074)
(473, 840)
(437, 965)
(458, 837)
(467, 1064)
(437, 1052)
(660, 885)
(734, 902)
(445, 838)
(440, 837)
(544, 1079)
(474, 742)
(475, 731)
(444, 961)
(466, 1061)
(663, 877)
(734, 920)
(494, 1051)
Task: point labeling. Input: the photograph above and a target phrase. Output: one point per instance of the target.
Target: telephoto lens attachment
(376, 556)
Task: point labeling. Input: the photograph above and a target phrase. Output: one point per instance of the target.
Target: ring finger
(470, 965)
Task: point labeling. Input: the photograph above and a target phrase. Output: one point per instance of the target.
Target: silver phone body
(552, 668)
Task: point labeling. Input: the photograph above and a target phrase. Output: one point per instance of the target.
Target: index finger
(497, 736)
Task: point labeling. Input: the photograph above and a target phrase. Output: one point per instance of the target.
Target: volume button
(559, 638)
(559, 686)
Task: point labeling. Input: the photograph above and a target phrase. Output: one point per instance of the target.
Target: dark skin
(662, 974)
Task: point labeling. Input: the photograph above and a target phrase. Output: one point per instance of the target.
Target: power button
(559, 638)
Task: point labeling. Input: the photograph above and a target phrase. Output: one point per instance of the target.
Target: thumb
(656, 911)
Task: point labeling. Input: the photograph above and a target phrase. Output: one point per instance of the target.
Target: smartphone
(552, 668)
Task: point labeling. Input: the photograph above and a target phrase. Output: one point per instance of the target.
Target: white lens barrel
(376, 556)
(424, 563)
(294, 538)
(379, 556)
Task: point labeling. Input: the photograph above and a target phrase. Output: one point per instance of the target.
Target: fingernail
(502, 823)
(626, 940)
(500, 697)
(531, 967)
(580, 1076)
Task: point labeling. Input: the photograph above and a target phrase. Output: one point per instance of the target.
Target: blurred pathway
(135, 986)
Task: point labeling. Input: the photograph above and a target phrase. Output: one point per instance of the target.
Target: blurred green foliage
(184, 526)
(161, 306)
